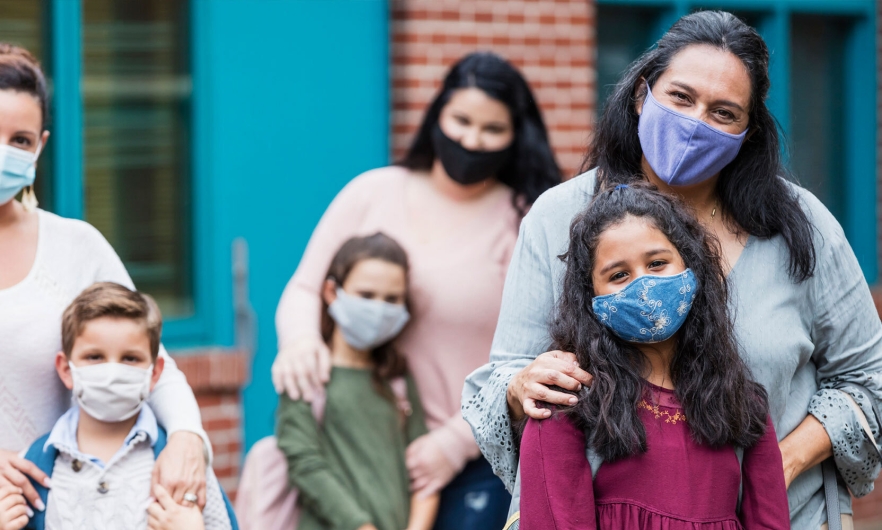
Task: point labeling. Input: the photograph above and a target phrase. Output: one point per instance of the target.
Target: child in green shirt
(347, 462)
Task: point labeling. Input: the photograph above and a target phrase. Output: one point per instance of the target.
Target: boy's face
(110, 340)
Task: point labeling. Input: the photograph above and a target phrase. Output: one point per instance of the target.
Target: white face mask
(111, 392)
(366, 324)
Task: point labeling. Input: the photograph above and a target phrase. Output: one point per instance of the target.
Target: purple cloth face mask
(682, 150)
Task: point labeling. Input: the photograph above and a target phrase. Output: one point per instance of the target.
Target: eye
(657, 263)
(131, 359)
(369, 295)
(93, 356)
(21, 141)
(393, 299)
(679, 97)
(618, 276)
(495, 129)
(725, 115)
(462, 120)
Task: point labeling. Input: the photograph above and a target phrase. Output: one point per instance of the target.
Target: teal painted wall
(291, 103)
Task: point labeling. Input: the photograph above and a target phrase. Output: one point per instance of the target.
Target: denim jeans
(474, 500)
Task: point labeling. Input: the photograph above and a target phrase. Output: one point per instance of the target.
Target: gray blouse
(811, 344)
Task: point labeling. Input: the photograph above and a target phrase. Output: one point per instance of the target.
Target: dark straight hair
(531, 169)
(723, 406)
(388, 362)
(751, 191)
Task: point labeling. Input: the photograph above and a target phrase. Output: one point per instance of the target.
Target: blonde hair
(107, 299)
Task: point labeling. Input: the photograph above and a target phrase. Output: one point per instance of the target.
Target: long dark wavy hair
(711, 381)
(388, 363)
(750, 190)
(531, 169)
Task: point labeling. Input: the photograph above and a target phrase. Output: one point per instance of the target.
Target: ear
(329, 291)
(44, 139)
(158, 367)
(640, 95)
(62, 366)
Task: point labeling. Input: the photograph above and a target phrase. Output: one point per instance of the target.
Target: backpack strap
(159, 445)
(45, 462)
(160, 442)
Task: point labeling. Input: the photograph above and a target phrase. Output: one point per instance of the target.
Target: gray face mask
(366, 324)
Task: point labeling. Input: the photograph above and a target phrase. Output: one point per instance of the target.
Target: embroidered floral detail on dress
(659, 413)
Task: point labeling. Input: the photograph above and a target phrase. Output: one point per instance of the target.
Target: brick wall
(216, 377)
(552, 42)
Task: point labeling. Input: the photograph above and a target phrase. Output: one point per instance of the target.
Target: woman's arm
(303, 364)
(515, 378)
(319, 489)
(181, 466)
(764, 494)
(847, 336)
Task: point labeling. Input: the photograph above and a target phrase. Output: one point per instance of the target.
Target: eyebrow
(724, 102)
(647, 254)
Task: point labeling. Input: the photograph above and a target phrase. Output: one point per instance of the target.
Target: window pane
(23, 24)
(816, 93)
(137, 91)
(623, 33)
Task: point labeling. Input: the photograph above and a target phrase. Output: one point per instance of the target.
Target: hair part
(531, 168)
(388, 363)
(21, 72)
(711, 381)
(752, 193)
(107, 299)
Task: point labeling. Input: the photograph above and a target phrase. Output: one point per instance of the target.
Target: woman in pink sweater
(479, 160)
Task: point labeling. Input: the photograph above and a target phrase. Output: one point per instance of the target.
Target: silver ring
(191, 497)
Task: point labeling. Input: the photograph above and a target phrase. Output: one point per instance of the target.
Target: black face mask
(464, 165)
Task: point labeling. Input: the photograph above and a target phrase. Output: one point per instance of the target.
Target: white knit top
(71, 255)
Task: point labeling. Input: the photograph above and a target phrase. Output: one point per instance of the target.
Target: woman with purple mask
(689, 116)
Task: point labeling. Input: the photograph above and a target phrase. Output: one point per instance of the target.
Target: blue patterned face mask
(649, 309)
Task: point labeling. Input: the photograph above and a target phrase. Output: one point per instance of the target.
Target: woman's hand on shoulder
(531, 385)
(180, 467)
(14, 511)
(166, 514)
(14, 471)
(302, 368)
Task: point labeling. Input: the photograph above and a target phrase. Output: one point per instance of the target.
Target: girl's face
(373, 279)
(631, 249)
(477, 121)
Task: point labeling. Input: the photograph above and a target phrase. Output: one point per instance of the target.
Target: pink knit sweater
(456, 283)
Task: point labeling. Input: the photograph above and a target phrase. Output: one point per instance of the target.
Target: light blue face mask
(649, 309)
(17, 171)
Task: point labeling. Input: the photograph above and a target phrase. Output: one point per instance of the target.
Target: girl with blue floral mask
(678, 435)
(346, 450)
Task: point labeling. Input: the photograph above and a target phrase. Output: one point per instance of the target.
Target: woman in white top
(45, 261)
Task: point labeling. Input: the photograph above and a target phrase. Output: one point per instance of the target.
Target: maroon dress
(676, 485)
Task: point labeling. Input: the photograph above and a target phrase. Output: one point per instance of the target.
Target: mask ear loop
(28, 197)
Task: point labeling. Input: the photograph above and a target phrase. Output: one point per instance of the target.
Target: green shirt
(350, 470)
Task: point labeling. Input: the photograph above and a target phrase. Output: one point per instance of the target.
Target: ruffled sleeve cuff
(485, 408)
(848, 424)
